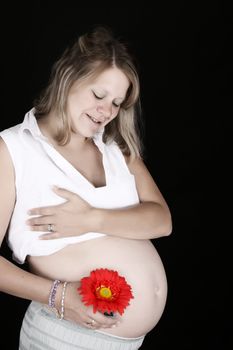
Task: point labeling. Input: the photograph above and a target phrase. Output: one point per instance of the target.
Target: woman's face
(92, 105)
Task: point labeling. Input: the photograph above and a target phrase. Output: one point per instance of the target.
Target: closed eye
(96, 96)
(101, 97)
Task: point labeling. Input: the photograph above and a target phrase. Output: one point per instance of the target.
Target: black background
(183, 49)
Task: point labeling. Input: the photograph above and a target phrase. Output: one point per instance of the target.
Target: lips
(94, 119)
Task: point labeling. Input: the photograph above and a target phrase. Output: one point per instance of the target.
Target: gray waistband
(42, 330)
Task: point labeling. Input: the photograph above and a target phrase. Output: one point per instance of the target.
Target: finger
(43, 228)
(106, 322)
(62, 192)
(93, 324)
(47, 236)
(42, 211)
(40, 220)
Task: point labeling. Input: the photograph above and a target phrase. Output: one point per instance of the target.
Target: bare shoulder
(3, 149)
(4, 153)
(7, 188)
(137, 166)
(6, 164)
(2, 144)
(145, 183)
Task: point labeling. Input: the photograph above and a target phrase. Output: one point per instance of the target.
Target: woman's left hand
(70, 218)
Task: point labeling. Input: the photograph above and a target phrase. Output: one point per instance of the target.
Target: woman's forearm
(18, 282)
(146, 220)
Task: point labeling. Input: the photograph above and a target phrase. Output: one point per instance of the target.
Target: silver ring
(91, 323)
(50, 228)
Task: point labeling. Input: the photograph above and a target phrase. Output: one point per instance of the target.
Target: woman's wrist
(52, 294)
(97, 219)
(56, 298)
(62, 303)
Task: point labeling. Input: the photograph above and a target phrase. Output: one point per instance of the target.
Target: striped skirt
(41, 330)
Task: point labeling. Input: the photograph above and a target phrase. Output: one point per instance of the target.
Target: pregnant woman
(76, 197)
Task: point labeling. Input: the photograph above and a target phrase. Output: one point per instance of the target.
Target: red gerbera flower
(106, 290)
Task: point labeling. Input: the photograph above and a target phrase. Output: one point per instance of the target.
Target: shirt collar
(30, 124)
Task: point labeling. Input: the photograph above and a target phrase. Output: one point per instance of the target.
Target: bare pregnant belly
(136, 260)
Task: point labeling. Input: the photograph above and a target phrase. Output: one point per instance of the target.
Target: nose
(105, 109)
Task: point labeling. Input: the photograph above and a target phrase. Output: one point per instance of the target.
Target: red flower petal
(106, 290)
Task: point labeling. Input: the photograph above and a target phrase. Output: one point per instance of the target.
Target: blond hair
(89, 56)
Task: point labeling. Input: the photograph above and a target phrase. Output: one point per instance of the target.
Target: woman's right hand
(77, 312)
(70, 218)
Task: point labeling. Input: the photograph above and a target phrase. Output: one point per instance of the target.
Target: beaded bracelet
(52, 294)
(62, 311)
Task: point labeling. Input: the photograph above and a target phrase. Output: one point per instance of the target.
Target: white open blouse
(39, 166)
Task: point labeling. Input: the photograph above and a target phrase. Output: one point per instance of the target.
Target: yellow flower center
(105, 292)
